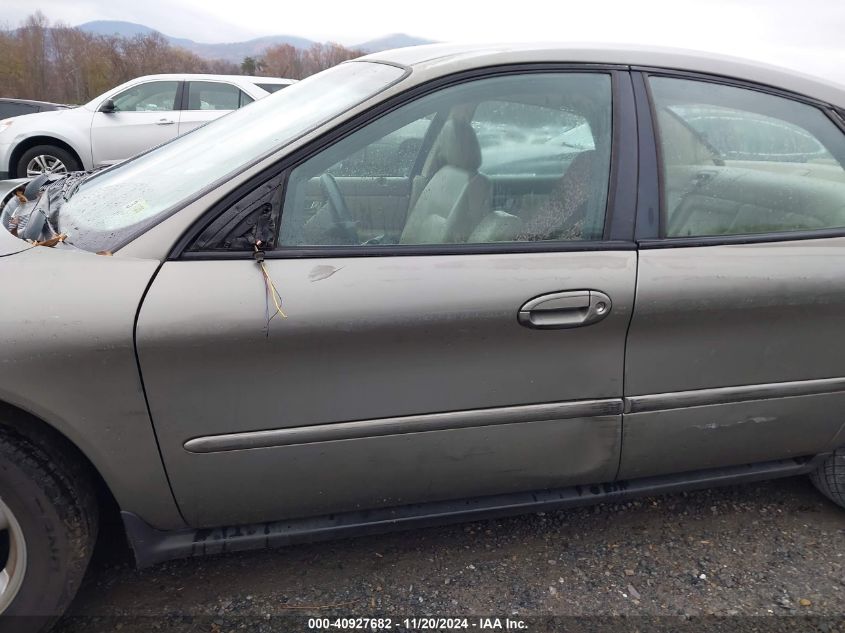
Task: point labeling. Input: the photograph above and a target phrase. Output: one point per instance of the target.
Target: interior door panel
(376, 203)
(515, 193)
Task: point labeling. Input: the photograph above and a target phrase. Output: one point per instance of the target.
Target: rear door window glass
(213, 95)
(738, 161)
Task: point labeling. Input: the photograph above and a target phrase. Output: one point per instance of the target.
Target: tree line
(288, 61)
(56, 62)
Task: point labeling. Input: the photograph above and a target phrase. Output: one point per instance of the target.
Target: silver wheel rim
(14, 567)
(45, 164)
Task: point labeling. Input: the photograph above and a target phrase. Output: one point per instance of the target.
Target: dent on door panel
(753, 333)
(382, 385)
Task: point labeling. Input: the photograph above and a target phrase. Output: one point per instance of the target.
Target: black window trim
(182, 96)
(241, 94)
(618, 232)
(649, 189)
(649, 233)
(838, 116)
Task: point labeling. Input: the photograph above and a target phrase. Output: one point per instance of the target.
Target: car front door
(358, 360)
(735, 354)
(144, 116)
(209, 100)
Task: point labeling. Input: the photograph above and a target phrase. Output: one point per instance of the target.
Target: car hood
(9, 244)
(43, 121)
(46, 196)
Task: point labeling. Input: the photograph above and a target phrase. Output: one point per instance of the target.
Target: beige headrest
(458, 146)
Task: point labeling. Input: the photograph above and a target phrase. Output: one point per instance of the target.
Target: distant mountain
(397, 40)
(232, 51)
(116, 27)
(236, 51)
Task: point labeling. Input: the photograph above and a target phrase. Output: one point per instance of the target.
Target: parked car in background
(19, 107)
(431, 284)
(763, 137)
(122, 122)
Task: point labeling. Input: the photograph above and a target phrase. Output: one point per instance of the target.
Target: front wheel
(48, 526)
(46, 159)
(829, 478)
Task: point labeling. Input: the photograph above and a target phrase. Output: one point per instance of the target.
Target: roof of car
(201, 77)
(441, 58)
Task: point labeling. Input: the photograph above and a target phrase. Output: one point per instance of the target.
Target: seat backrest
(497, 226)
(194, 101)
(456, 197)
(563, 215)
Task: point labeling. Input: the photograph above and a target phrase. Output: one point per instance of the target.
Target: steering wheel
(340, 212)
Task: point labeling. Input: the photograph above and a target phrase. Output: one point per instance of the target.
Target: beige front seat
(456, 197)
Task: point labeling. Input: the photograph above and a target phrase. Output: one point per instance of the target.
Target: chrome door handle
(561, 310)
(165, 122)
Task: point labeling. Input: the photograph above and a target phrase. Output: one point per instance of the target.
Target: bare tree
(64, 64)
(55, 62)
(285, 60)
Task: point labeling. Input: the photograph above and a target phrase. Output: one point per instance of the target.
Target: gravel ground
(770, 549)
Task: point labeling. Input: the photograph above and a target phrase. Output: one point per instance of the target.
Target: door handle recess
(561, 310)
(165, 122)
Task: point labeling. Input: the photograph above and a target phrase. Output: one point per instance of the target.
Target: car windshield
(117, 205)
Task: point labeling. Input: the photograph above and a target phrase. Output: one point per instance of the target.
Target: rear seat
(732, 200)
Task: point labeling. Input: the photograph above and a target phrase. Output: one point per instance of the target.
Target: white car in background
(122, 122)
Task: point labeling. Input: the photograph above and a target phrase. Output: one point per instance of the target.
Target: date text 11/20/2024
(418, 624)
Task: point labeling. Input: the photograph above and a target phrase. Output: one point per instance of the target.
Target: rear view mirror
(107, 106)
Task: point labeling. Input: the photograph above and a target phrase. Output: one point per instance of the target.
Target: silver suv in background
(122, 122)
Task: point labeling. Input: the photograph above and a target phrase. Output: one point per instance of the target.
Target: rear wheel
(46, 159)
(48, 526)
(829, 478)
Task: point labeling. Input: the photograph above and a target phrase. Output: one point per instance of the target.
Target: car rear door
(205, 101)
(735, 354)
(332, 374)
(145, 115)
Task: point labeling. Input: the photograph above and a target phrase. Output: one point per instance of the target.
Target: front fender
(68, 358)
(71, 127)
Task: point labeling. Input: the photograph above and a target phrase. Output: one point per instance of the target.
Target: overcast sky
(806, 34)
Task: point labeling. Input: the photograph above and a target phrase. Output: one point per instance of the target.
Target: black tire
(69, 160)
(52, 498)
(829, 478)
